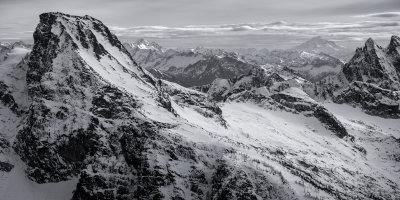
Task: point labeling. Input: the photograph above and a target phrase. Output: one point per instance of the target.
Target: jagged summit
(84, 39)
(394, 44)
(143, 44)
(83, 31)
(374, 64)
(370, 44)
(369, 80)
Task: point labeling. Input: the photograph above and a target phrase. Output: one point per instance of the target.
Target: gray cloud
(359, 7)
(341, 32)
(383, 15)
(178, 22)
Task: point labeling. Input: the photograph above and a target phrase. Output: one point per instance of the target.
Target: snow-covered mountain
(99, 126)
(374, 64)
(319, 45)
(188, 67)
(370, 80)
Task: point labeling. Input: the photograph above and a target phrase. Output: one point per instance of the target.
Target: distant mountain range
(200, 66)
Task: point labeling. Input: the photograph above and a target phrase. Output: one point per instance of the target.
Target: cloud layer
(382, 15)
(177, 23)
(245, 33)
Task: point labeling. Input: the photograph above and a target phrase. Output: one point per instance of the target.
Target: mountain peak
(142, 41)
(370, 44)
(372, 64)
(145, 44)
(318, 40)
(317, 45)
(83, 38)
(394, 42)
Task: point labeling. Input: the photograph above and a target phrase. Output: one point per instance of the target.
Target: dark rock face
(330, 121)
(229, 183)
(6, 167)
(371, 64)
(111, 103)
(312, 109)
(7, 99)
(371, 80)
(133, 177)
(72, 149)
(4, 146)
(373, 99)
(43, 52)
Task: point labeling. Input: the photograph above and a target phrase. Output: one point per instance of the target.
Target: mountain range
(200, 66)
(84, 116)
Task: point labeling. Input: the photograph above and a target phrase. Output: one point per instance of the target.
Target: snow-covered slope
(98, 126)
(264, 99)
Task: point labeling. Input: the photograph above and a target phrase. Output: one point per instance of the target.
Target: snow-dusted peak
(143, 44)
(86, 35)
(66, 43)
(318, 44)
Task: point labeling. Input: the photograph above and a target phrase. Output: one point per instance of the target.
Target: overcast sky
(218, 23)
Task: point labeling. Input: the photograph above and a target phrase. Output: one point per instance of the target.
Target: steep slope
(275, 90)
(100, 127)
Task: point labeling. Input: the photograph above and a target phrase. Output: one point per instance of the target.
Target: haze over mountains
(84, 116)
